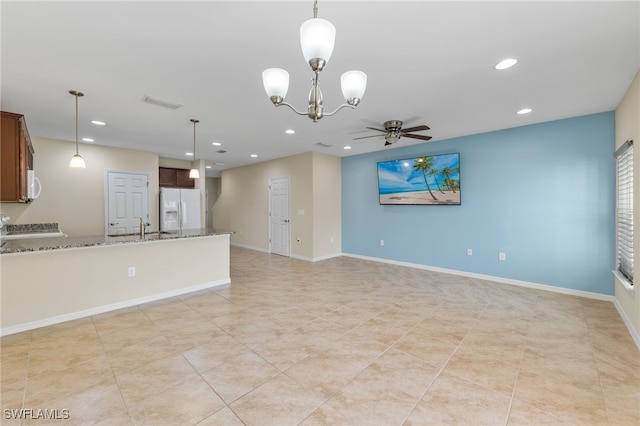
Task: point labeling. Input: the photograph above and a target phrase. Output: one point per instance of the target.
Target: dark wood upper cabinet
(175, 178)
(16, 157)
(183, 180)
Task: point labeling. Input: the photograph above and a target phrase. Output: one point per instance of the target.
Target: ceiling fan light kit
(317, 39)
(393, 132)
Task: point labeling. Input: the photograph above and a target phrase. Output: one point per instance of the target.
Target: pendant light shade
(194, 173)
(77, 162)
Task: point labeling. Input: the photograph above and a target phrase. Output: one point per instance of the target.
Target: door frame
(106, 196)
(288, 178)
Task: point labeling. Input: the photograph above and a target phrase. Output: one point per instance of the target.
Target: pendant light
(77, 162)
(194, 173)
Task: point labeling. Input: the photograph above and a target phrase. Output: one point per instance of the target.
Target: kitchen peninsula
(51, 280)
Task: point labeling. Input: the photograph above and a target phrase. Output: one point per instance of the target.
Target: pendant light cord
(76, 95)
(194, 121)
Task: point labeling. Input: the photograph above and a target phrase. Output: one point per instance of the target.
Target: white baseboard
(545, 287)
(293, 256)
(316, 259)
(250, 247)
(537, 286)
(634, 334)
(5, 331)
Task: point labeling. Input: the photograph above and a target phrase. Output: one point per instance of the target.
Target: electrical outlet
(131, 271)
(469, 252)
(502, 256)
(381, 242)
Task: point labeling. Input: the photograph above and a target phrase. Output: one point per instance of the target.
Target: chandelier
(317, 38)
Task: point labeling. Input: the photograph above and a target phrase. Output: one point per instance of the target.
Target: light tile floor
(339, 342)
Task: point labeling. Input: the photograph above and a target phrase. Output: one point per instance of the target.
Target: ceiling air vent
(221, 151)
(324, 145)
(165, 103)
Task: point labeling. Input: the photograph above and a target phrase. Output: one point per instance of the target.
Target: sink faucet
(3, 221)
(143, 228)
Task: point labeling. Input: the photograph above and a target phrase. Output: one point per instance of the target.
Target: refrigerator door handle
(183, 213)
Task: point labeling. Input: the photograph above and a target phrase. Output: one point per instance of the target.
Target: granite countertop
(58, 243)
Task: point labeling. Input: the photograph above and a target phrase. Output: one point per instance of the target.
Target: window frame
(624, 244)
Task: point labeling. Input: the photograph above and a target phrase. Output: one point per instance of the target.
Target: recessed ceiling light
(506, 63)
(347, 147)
(87, 139)
(207, 167)
(188, 153)
(524, 111)
(289, 131)
(98, 123)
(254, 155)
(216, 143)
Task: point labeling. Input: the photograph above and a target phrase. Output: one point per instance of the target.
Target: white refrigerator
(179, 209)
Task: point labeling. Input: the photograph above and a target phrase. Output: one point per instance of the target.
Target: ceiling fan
(393, 131)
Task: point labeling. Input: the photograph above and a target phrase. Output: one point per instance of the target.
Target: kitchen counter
(59, 243)
(51, 280)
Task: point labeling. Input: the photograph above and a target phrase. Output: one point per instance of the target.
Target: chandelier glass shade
(317, 39)
(276, 82)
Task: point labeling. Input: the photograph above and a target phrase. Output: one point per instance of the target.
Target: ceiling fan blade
(416, 128)
(424, 138)
(365, 137)
(380, 130)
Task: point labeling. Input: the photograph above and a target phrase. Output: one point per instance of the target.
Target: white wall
(327, 205)
(213, 186)
(74, 197)
(628, 127)
(243, 206)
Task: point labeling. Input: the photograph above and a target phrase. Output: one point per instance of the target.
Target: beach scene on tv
(432, 179)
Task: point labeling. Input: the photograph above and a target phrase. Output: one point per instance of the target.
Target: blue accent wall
(544, 194)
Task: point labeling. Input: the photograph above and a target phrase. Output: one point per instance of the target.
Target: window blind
(624, 210)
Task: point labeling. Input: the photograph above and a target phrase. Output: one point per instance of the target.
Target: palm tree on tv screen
(447, 172)
(434, 174)
(424, 164)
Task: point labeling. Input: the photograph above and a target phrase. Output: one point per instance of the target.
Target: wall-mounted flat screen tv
(429, 180)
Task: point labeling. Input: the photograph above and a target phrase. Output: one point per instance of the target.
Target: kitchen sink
(133, 234)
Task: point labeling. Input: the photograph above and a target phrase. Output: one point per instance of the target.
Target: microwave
(34, 187)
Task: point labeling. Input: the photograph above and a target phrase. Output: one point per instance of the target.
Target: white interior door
(127, 202)
(279, 223)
